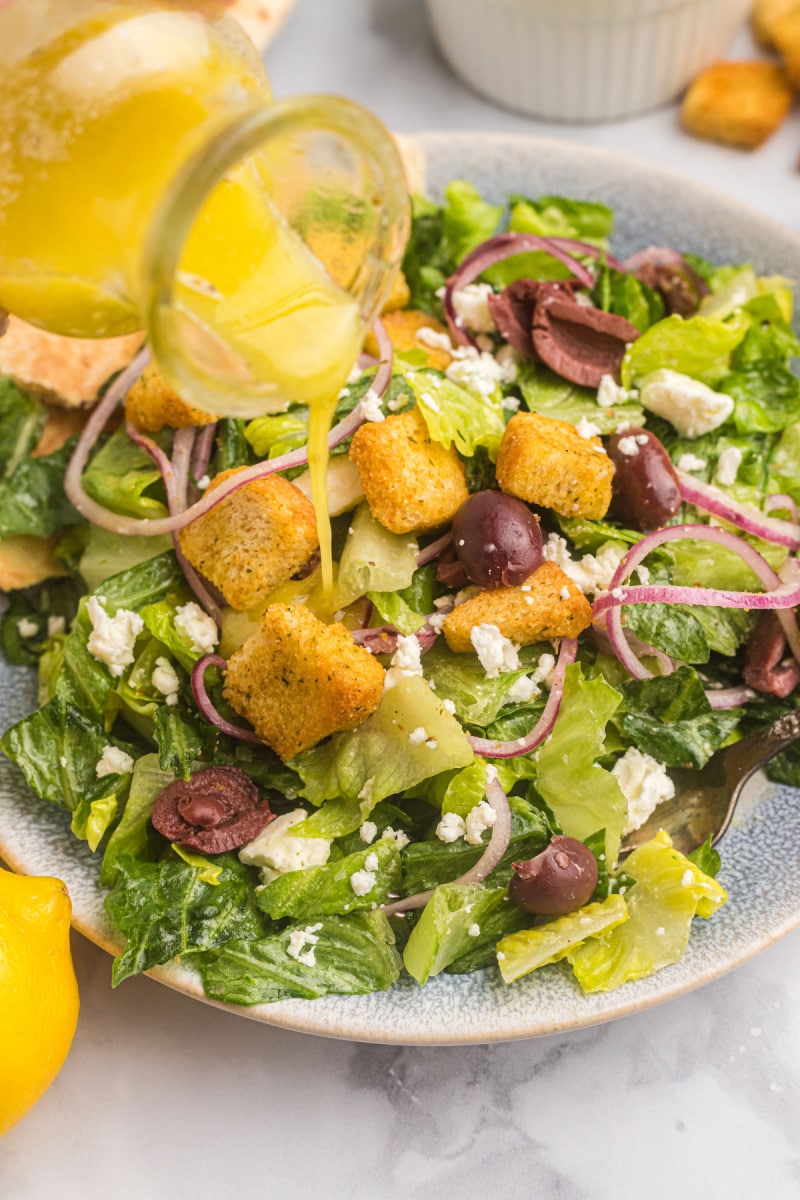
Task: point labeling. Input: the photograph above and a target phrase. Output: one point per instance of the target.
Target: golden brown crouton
(776, 24)
(411, 483)
(399, 294)
(535, 612)
(252, 540)
(152, 403)
(298, 680)
(545, 461)
(26, 560)
(404, 329)
(766, 15)
(737, 103)
(67, 372)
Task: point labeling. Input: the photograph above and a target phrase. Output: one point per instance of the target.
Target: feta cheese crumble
(113, 761)
(407, 655)
(112, 638)
(591, 573)
(165, 680)
(479, 371)
(27, 628)
(495, 652)
(479, 819)
(277, 851)
(197, 627)
(521, 691)
(203, 482)
(692, 462)
(610, 393)
(644, 783)
(471, 304)
(451, 827)
(586, 429)
(362, 882)
(434, 340)
(368, 832)
(370, 406)
(418, 735)
(55, 625)
(474, 930)
(728, 465)
(299, 939)
(692, 407)
(628, 446)
(400, 838)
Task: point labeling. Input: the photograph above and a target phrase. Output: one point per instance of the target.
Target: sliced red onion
(780, 595)
(488, 748)
(789, 572)
(204, 703)
(382, 639)
(203, 449)
(495, 250)
(732, 697)
(782, 500)
(710, 499)
(572, 245)
(433, 551)
(132, 526)
(492, 855)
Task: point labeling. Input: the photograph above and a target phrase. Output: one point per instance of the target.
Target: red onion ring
(433, 551)
(495, 250)
(204, 703)
(203, 449)
(782, 500)
(710, 499)
(488, 748)
(492, 855)
(142, 527)
(732, 697)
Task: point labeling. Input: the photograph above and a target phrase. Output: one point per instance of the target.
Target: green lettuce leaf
(442, 934)
(164, 909)
(327, 890)
(352, 955)
(133, 836)
(529, 949)
(550, 216)
(668, 893)
(548, 395)
(22, 420)
(373, 559)
(696, 346)
(622, 293)
(119, 475)
(183, 739)
(669, 717)
(784, 468)
(108, 554)
(583, 795)
(32, 498)
(458, 416)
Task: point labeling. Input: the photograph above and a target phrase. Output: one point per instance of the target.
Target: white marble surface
(164, 1098)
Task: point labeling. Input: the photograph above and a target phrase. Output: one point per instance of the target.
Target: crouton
(412, 484)
(152, 403)
(406, 332)
(252, 540)
(737, 103)
(546, 606)
(776, 25)
(297, 680)
(545, 461)
(399, 294)
(67, 372)
(26, 560)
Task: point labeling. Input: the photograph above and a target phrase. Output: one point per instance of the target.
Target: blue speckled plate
(760, 851)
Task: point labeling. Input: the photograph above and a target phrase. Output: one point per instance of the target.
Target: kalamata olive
(218, 809)
(497, 539)
(557, 881)
(645, 491)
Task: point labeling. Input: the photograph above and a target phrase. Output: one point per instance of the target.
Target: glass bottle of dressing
(149, 181)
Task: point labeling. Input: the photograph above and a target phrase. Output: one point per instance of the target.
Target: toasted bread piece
(776, 24)
(297, 680)
(61, 425)
(412, 484)
(152, 404)
(68, 372)
(253, 540)
(534, 612)
(26, 560)
(737, 103)
(545, 461)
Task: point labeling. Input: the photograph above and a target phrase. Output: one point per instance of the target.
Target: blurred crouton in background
(152, 404)
(737, 103)
(776, 25)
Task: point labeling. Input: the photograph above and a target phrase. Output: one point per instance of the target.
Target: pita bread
(26, 560)
(262, 18)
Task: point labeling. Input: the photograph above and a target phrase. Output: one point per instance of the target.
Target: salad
(564, 492)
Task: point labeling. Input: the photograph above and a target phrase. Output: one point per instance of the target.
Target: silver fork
(705, 800)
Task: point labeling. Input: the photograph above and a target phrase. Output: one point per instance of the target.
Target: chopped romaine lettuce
(526, 951)
(373, 559)
(454, 920)
(697, 346)
(337, 887)
(547, 394)
(459, 416)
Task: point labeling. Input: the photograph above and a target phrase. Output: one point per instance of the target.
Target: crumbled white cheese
(55, 625)
(628, 446)
(431, 743)
(367, 789)
(451, 827)
(692, 462)
(610, 393)
(165, 680)
(728, 465)
(564, 593)
(434, 339)
(586, 429)
(400, 838)
(299, 939)
(407, 655)
(495, 652)
(692, 407)
(368, 832)
(112, 638)
(113, 761)
(591, 573)
(370, 406)
(474, 930)
(644, 783)
(418, 735)
(197, 627)
(362, 882)
(277, 851)
(203, 482)
(62, 762)
(479, 819)
(521, 691)
(449, 707)
(471, 304)
(27, 628)
(479, 371)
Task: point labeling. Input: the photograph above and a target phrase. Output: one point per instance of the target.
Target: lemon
(38, 990)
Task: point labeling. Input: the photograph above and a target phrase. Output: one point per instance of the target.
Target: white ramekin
(583, 60)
